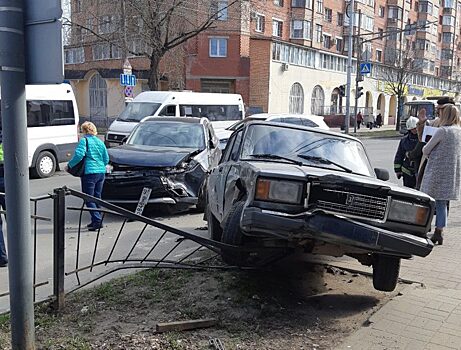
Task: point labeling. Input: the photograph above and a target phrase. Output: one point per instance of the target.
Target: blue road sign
(127, 79)
(365, 68)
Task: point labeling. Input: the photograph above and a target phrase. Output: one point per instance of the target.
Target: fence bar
(59, 219)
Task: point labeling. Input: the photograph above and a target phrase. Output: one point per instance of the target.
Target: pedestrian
(416, 154)
(403, 166)
(3, 255)
(96, 159)
(442, 176)
(379, 120)
(359, 119)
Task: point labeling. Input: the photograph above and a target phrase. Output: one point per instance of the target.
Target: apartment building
(287, 55)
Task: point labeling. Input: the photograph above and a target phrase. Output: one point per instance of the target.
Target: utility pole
(358, 75)
(349, 63)
(14, 125)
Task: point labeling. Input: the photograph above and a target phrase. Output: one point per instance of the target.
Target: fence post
(59, 220)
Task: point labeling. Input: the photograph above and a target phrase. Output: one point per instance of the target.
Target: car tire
(385, 272)
(232, 234)
(214, 228)
(45, 165)
(201, 201)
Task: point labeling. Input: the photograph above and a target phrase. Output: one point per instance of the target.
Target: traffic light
(342, 90)
(359, 91)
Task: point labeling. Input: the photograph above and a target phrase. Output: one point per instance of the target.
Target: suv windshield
(309, 147)
(168, 134)
(136, 111)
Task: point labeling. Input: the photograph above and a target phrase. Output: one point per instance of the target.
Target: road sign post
(349, 65)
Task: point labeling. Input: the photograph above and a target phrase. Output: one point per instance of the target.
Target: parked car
(296, 119)
(279, 187)
(171, 156)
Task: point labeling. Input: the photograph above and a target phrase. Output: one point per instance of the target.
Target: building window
(74, 55)
(340, 19)
(326, 41)
(301, 3)
(218, 47)
(219, 9)
(296, 99)
(277, 27)
(317, 101)
(448, 20)
(318, 33)
(98, 96)
(260, 23)
(78, 5)
(379, 55)
(101, 51)
(320, 6)
(447, 37)
(380, 33)
(278, 3)
(328, 15)
(339, 44)
(381, 11)
(425, 6)
(301, 30)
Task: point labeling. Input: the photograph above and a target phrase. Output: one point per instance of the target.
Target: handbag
(78, 169)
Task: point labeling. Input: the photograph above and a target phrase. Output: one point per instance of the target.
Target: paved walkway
(365, 130)
(426, 316)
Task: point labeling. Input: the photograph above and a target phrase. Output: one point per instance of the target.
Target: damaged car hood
(147, 156)
(331, 176)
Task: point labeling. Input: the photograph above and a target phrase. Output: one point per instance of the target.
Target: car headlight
(279, 191)
(407, 212)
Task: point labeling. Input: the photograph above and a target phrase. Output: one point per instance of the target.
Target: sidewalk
(426, 316)
(363, 129)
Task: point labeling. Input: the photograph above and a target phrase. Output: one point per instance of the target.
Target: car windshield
(309, 147)
(136, 111)
(169, 134)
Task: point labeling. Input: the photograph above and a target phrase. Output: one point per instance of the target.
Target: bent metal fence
(127, 241)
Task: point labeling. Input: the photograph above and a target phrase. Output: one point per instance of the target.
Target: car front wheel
(385, 272)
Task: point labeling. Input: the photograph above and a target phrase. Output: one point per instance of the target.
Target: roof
(190, 120)
(301, 127)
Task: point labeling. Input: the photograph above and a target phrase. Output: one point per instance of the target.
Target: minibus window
(212, 112)
(136, 111)
(49, 113)
(168, 111)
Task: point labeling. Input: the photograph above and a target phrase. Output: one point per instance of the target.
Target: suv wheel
(232, 234)
(385, 272)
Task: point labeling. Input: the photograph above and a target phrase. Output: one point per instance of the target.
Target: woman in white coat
(442, 176)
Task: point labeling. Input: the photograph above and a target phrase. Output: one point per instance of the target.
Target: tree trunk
(399, 112)
(153, 70)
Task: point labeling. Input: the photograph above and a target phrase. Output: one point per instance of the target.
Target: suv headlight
(408, 212)
(279, 191)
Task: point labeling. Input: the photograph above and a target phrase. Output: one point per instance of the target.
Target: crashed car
(170, 156)
(283, 187)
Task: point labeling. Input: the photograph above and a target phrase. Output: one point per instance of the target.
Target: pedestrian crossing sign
(365, 68)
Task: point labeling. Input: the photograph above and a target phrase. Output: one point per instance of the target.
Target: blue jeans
(3, 256)
(441, 213)
(92, 185)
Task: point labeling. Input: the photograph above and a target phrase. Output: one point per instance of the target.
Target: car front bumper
(333, 229)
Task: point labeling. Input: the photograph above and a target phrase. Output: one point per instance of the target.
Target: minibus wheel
(45, 166)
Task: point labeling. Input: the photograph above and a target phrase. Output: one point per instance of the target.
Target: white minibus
(52, 127)
(222, 110)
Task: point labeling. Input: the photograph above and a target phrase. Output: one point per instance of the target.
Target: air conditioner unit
(285, 67)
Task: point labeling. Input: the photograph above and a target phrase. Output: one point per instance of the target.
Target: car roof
(302, 127)
(191, 120)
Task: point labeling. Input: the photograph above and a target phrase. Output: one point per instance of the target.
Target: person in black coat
(403, 166)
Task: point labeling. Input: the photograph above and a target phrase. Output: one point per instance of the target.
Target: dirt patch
(295, 305)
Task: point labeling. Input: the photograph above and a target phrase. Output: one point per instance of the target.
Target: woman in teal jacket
(95, 169)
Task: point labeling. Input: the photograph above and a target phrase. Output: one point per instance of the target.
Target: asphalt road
(380, 151)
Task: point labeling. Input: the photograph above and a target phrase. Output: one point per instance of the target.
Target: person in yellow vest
(3, 256)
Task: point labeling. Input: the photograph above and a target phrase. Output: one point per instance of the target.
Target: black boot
(437, 236)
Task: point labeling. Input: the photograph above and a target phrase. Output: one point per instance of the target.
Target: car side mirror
(382, 174)
(124, 140)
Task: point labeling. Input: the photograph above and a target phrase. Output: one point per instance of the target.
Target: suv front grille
(350, 203)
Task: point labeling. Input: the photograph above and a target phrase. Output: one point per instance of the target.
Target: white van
(221, 109)
(52, 127)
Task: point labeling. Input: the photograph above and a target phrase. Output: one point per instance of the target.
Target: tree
(153, 28)
(396, 77)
